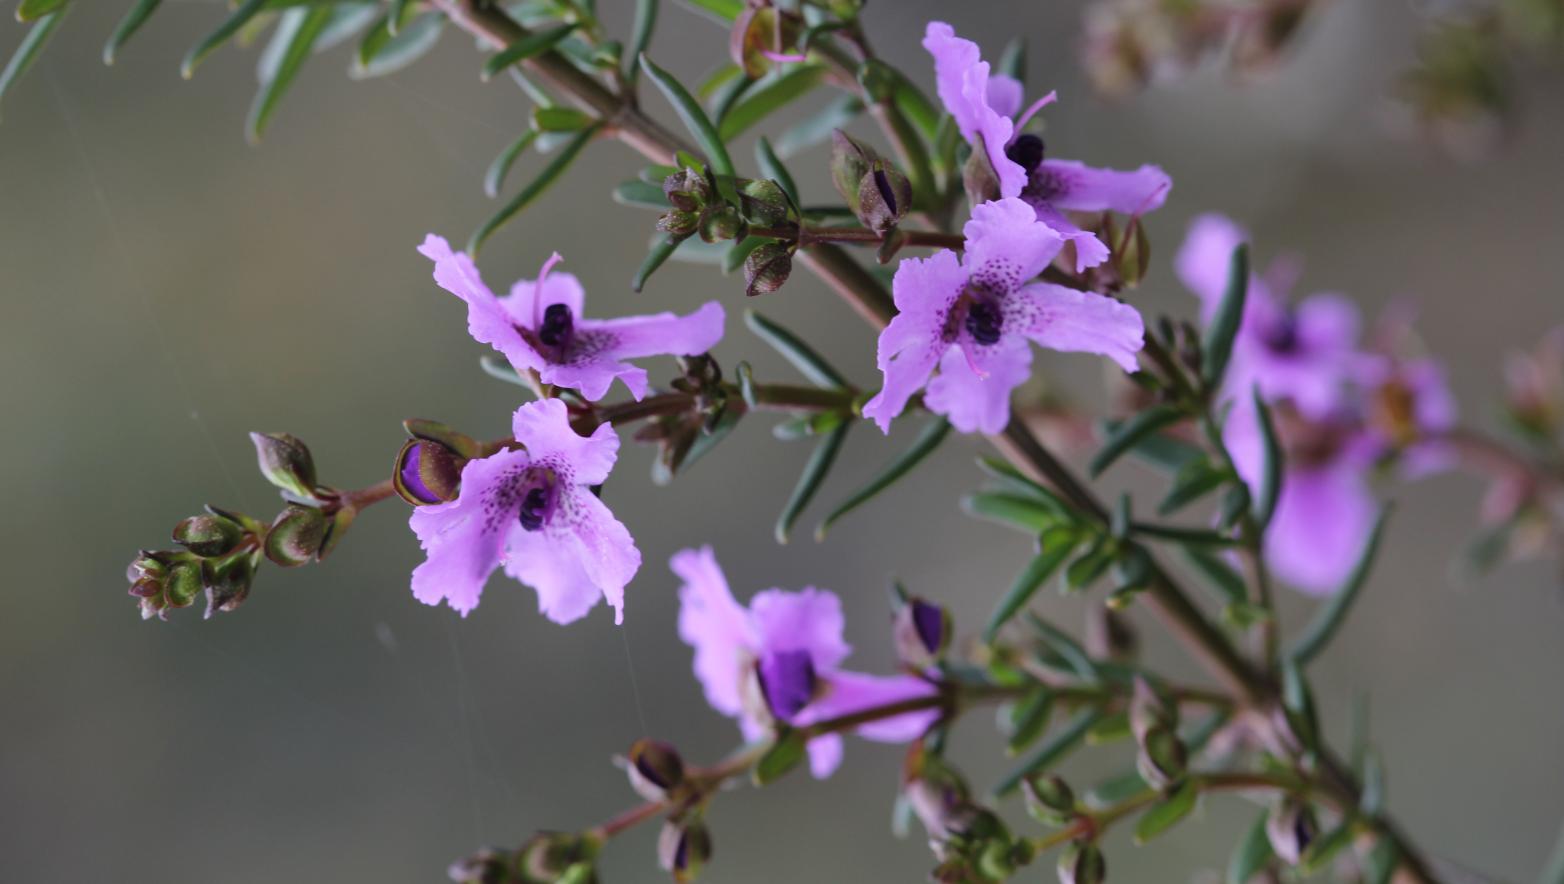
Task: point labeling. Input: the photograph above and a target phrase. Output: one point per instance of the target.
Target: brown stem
(812, 235)
(382, 490)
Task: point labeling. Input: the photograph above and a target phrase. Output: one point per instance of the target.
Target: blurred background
(168, 287)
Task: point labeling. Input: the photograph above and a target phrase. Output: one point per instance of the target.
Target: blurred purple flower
(972, 317)
(531, 509)
(1303, 352)
(778, 660)
(539, 326)
(985, 106)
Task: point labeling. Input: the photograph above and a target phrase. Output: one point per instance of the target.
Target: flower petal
(1322, 521)
(1089, 250)
(953, 58)
(554, 569)
(977, 403)
(713, 623)
(1007, 245)
(809, 620)
(543, 427)
(1071, 321)
(825, 755)
(1077, 187)
(526, 307)
(488, 320)
(1204, 258)
(464, 539)
(597, 355)
(911, 345)
(850, 692)
(608, 552)
(1005, 94)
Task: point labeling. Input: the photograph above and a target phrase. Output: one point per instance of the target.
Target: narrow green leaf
(241, 16)
(1325, 848)
(640, 37)
(1251, 855)
(1012, 478)
(1164, 816)
(385, 51)
(1381, 864)
(296, 33)
(734, 259)
(1012, 62)
(817, 127)
(1111, 728)
(1053, 749)
(772, 167)
(1298, 701)
(27, 51)
(1226, 583)
(1036, 573)
(494, 178)
(496, 366)
(660, 252)
(768, 97)
(815, 471)
(921, 112)
(533, 190)
(1201, 537)
(708, 440)
(922, 447)
(560, 119)
(1193, 481)
(802, 357)
(1216, 345)
(347, 19)
(399, 9)
(1026, 513)
(32, 10)
(525, 48)
(1334, 611)
(641, 195)
(1130, 432)
(790, 748)
(1270, 489)
(1115, 789)
(1067, 647)
(724, 10)
(1553, 873)
(127, 27)
(1085, 570)
(1030, 719)
(1371, 801)
(725, 97)
(694, 119)
(716, 79)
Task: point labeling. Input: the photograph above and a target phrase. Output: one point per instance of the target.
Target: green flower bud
(877, 79)
(1150, 708)
(427, 473)
(1163, 760)
(757, 31)
(850, 161)
(679, 222)
(1291, 828)
(995, 861)
(655, 769)
(763, 202)
(184, 584)
(1049, 800)
(487, 866)
(766, 269)
(884, 196)
(683, 848)
(434, 431)
(553, 857)
(1082, 863)
(687, 190)
(720, 223)
(207, 535)
(296, 536)
(285, 461)
(227, 582)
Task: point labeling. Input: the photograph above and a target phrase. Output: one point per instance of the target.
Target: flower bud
(1149, 709)
(978, 176)
(227, 583)
(884, 196)
(766, 269)
(296, 536)
(679, 222)
(759, 32)
(720, 223)
(763, 202)
(487, 866)
(427, 473)
(1082, 863)
(850, 161)
(922, 633)
(1163, 760)
(557, 858)
(655, 769)
(286, 462)
(683, 848)
(184, 584)
(687, 190)
(1049, 800)
(877, 79)
(1291, 828)
(208, 535)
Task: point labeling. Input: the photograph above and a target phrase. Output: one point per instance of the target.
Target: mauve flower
(787, 647)
(1408, 408)
(985, 106)
(540, 327)
(972, 318)
(1304, 352)
(532, 510)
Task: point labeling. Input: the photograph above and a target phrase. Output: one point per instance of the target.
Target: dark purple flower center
(929, 621)
(535, 508)
(984, 321)
(1282, 336)
(413, 479)
(787, 679)
(557, 326)
(1026, 152)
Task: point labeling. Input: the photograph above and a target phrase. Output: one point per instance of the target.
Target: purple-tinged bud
(208, 535)
(679, 222)
(683, 848)
(788, 682)
(296, 536)
(1082, 863)
(884, 196)
(687, 190)
(1162, 761)
(655, 769)
(1149, 709)
(183, 585)
(760, 33)
(487, 866)
(766, 269)
(1049, 800)
(427, 473)
(286, 462)
(763, 202)
(227, 583)
(850, 162)
(557, 858)
(434, 431)
(148, 565)
(922, 632)
(720, 223)
(1291, 828)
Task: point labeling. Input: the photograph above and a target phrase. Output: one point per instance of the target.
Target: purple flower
(972, 317)
(1305, 352)
(778, 660)
(984, 107)
(531, 509)
(539, 326)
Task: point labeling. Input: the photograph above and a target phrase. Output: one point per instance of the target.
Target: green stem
(808, 236)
